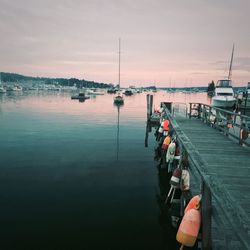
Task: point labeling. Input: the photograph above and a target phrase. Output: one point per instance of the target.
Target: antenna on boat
(231, 62)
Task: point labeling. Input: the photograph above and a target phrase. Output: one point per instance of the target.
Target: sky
(166, 43)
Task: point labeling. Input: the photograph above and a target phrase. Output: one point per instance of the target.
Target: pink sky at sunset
(177, 43)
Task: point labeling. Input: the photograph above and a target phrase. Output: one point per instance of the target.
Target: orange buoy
(189, 228)
(176, 177)
(166, 125)
(166, 142)
(193, 203)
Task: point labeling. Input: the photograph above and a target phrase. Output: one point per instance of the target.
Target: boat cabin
(224, 84)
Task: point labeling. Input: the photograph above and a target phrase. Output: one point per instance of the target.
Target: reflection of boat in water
(80, 97)
(118, 131)
(223, 94)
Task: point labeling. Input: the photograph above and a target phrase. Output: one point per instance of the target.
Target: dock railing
(230, 123)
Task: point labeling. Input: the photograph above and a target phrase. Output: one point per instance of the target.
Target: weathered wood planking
(225, 167)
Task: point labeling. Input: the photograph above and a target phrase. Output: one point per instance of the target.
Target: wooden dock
(217, 144)
(224, 167)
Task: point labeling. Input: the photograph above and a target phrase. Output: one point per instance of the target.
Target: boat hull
(223, 102)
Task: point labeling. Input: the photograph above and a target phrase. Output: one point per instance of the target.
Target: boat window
(225, 94)
(224, 83)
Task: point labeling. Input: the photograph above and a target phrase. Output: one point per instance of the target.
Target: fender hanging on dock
(189, 228)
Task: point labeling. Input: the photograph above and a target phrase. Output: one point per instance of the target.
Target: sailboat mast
(231, 62)
(119, 77)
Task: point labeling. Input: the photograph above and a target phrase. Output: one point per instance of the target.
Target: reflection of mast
(117, 137)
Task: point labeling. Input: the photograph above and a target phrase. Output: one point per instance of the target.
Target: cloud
(239, 63)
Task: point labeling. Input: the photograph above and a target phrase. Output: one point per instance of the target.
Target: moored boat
(223, 95)
(80, 96)
(118, 100)
(244, 99)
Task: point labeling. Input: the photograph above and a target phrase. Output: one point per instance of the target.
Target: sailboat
(118, 100)
(223, 94)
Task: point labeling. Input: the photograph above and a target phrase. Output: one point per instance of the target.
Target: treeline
(16, 78)
(211, 87)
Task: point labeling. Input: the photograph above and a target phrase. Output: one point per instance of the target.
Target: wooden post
(241, 129)
(199, 111)
(148, 107)
(151, 104)
(206, 207)
(190, 110)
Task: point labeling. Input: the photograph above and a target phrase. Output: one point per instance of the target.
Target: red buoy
(194, 203)
(189, 228)
(176, 177)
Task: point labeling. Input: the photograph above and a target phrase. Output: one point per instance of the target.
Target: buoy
(160, 130)
(170, 152)
(194, 203)
(189, 228)
(166, 143)
(244, 134)
(176, 177)
(166, 125)
(185, 177)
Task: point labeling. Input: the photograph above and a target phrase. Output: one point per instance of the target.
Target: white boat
(223, 95)
(93, 92)
(15, 87)
(119, 100)
(2, 89)
(80, 97)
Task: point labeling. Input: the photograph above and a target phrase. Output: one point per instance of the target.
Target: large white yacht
(223, 95)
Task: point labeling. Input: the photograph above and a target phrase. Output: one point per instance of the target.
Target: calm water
(70, 180)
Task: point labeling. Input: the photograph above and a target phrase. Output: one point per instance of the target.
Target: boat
(118, 100)
(128, 92)
(15, 88)
(2, 89)
(244, 98)
(112, 91)
(80, 97)
(223, 93)
(93, 92)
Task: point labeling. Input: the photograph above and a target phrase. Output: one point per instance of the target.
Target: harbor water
(77, 175)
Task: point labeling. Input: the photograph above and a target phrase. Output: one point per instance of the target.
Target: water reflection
(165, 217)
(118, 106)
